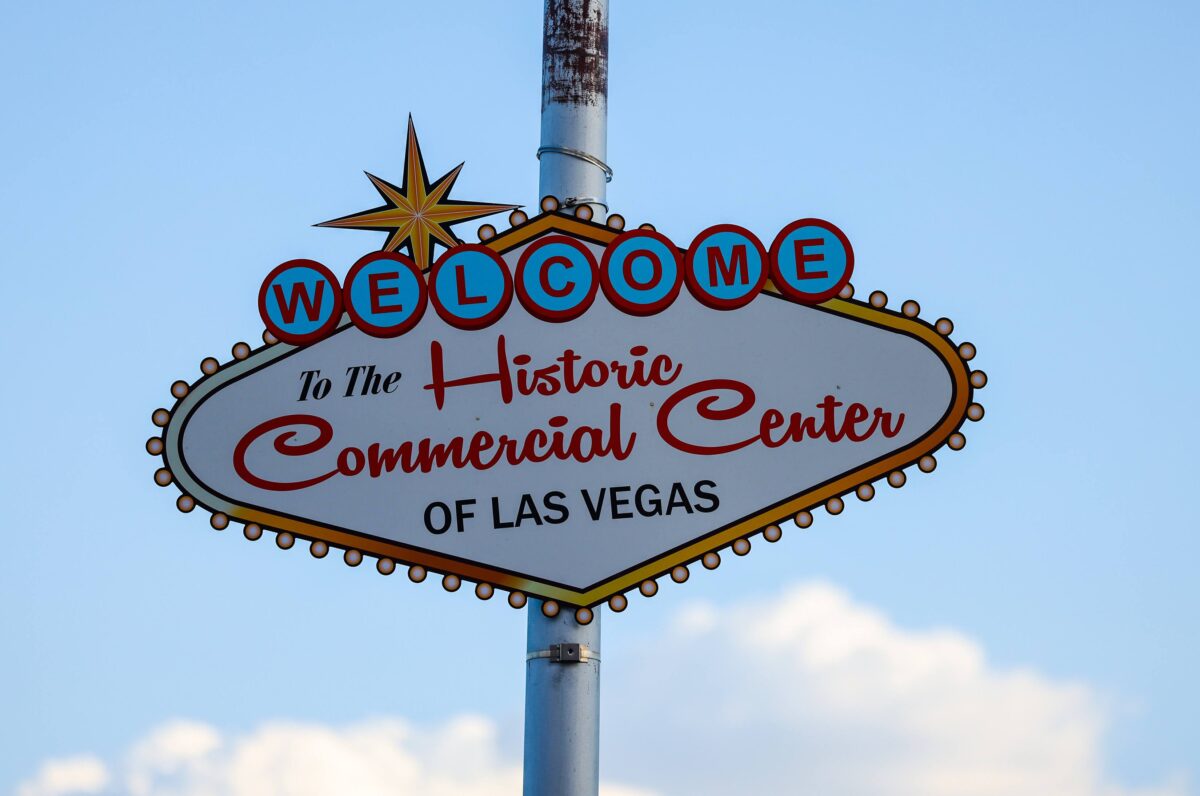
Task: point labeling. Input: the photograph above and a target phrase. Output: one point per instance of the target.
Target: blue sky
(1027, 169)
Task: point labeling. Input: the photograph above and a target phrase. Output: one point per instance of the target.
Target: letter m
(737, 261)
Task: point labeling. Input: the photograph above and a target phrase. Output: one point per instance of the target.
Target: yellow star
(417, 215)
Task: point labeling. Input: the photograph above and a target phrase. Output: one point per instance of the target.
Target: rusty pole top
(575, 103)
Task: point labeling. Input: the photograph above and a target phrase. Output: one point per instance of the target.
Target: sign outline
(955, 415)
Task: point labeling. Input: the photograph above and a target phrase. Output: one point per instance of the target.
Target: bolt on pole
(562, 666)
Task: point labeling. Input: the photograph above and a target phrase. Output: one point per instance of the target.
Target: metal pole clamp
(565, 653)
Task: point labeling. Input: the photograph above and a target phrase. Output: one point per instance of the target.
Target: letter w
(312, 305)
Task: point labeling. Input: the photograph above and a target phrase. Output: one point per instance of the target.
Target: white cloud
(808, 692)
(811, 692)
(382, 757)
(69, 775)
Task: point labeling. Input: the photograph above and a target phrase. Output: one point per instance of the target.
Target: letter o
(640, 272)
(445, 514)
(351, 461)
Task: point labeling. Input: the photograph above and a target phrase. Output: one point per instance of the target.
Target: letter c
(285, 447)
(706, 410)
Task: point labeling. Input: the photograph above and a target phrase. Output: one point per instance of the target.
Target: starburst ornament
(418, 215)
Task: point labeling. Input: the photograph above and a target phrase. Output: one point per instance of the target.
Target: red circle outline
(789, 291)
(694, 286)
(470, 324)
(620, 302)
(537, 310)
(321, 331)
(385, 331)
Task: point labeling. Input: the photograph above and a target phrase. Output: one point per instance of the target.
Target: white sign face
(571, 461)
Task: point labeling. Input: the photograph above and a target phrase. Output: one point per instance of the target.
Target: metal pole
(562, 667)
(575, 103)
(562, 705)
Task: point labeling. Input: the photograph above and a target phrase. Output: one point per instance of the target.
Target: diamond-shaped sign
(572, 458)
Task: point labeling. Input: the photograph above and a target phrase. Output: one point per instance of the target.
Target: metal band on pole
(565, 653)
(562, 666)
(584, 156)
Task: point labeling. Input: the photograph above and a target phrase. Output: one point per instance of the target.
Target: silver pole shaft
(562, 699)
(562, 708)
